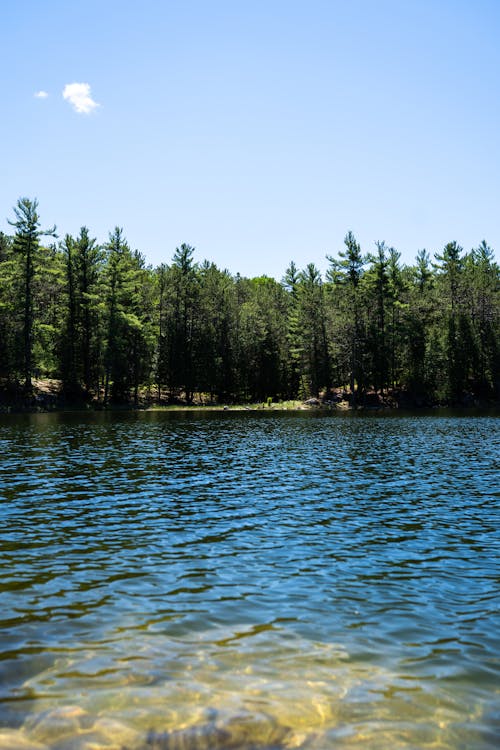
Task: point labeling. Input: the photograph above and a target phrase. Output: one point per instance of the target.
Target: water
(248, 580)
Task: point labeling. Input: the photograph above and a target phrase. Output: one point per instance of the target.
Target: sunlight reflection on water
(238, 581)
(253, 687)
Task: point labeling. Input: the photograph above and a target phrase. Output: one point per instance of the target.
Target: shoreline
(289, 407)
(47, 397)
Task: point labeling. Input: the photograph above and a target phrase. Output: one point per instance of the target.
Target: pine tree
(87, 270)
(214, 346)
(291, 282)
(8, 323)
(124, 327)
(418, 358)
(27, 245)
(180, 322)
(345, 275)
(377, 281)
(482, 275)
(455, 329)
(315, 362)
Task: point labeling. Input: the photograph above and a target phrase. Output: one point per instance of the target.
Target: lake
(191, 581)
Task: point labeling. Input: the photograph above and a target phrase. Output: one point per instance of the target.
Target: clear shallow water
(243, 580)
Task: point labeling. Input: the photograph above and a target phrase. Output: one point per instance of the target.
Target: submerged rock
(240, 733)
(15, 739)
(70, 728)
(57, 723)
(203, 737)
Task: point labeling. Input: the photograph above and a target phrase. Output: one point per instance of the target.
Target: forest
(111, 329)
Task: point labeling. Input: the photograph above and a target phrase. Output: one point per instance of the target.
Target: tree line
(112, 328)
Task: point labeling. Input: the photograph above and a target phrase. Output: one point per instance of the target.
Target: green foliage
(26, 246)
(128, 348)
(111, 328)
(346, 277)
(81, 351)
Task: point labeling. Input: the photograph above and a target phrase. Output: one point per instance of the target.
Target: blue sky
(259, 132)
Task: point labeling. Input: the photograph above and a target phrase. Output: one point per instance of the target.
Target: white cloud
(78, 95)
(41, 95)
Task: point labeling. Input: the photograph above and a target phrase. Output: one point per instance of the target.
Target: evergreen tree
(215, 351)
(396, 298)
(378, 292)
(162, 369)
(68, 355)
(291, 282)
(262, 337)
(49, 308)
(142, 325)
(482, 276)
(419, 356)
(181, 318)
(87, 271)
(127, 342)
(456, 329)
(314, 363)
(9, 271)
(345, 275)
(27, 246)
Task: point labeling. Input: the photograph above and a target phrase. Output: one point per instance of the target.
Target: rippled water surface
(245, 580)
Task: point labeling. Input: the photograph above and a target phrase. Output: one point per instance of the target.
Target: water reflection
(241, 580)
